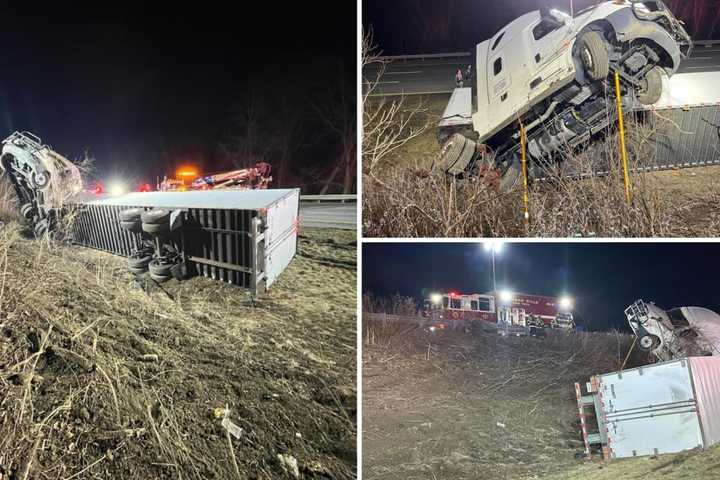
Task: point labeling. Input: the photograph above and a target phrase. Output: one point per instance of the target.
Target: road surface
(436, 75)
(329, 215)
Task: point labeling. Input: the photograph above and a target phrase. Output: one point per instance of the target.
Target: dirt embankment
(100, 380)
(467, 406)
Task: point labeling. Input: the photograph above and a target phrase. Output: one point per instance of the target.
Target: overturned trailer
(245, 238)
(668, 407)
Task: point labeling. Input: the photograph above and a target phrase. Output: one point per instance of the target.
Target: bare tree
(288, 136)
(387, 124)
(249, 142)
(339, 115)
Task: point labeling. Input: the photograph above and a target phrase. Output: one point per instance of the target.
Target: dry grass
(462, 406)
(681, 466)
(402, 199)
(9, 208)
(99, 379)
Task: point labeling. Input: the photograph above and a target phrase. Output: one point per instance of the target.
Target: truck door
(499, 79)
(547, 51)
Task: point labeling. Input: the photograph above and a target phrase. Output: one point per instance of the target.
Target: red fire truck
(500, 308)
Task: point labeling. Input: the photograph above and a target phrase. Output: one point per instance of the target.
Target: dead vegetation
(409, 201)
(476, 405)
(9, 208)
(402, 197)
(99, 379)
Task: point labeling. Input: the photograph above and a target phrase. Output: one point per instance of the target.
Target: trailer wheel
(134, 227)
(649, 342)
(156, 221)
(155, 216)
(594, 55)
(455, 156)
(160, 267)
(651, 87)
(131, 215)
(139, 261)
(156, 229)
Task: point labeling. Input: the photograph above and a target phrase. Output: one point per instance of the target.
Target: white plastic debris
(234, 429)
(501, 425)
(289, 464)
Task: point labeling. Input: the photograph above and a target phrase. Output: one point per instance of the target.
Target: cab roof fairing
(620, 15)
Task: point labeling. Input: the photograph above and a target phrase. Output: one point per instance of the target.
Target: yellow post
(523, 154)
(623, 150)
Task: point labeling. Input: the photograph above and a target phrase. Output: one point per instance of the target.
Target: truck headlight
(647, 10)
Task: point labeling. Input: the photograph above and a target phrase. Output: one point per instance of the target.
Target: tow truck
(554, 74)
(253, 178)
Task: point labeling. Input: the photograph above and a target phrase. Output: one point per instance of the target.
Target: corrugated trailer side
(246, 238)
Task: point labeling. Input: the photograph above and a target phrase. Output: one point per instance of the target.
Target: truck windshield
(677, 318)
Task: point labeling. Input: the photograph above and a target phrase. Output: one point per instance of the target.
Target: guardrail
(423, 57)
(328, 198)
(706, 43)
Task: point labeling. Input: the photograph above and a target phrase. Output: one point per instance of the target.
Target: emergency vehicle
(499, 308)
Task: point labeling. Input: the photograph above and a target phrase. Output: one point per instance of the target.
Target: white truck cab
(676, 333)
(549, 71)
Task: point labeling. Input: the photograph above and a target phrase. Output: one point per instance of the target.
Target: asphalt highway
(328, 215)
(437, 75)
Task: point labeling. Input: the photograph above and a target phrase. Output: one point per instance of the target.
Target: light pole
(493, 246)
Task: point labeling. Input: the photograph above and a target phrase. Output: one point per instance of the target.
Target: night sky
(603, 279)
(147, 87)
(404, 27)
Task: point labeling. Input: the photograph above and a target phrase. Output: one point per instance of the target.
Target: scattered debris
(289, 464)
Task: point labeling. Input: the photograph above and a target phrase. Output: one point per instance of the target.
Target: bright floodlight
(494, 246)
(117, 188)
(436, 298)
(506, 296)
(566, 303)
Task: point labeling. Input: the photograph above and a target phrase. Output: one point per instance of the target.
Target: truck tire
(131, 215)
(41, 228)
(41, 180)
(652, 87)
(594, 55)
(139, 261)
(156, 221)
(133, 227)
(155, 216)
(456, 155)
(27, 211)
(649, 342)
(160, 268)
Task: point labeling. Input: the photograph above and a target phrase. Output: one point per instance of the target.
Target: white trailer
(667, 407)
